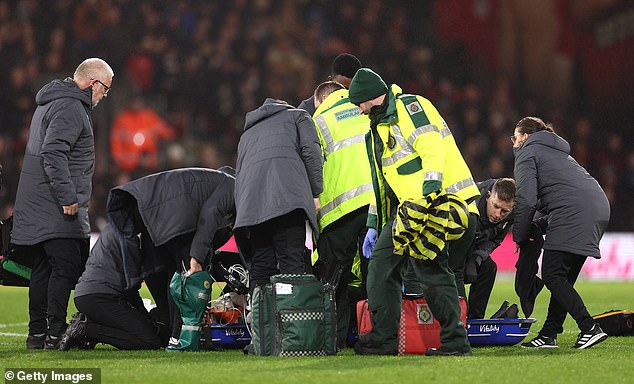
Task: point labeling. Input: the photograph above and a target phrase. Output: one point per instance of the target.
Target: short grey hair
(93, 68)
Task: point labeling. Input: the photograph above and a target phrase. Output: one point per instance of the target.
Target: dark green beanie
(366, 85)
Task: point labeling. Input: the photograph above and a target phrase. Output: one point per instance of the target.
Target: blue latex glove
(369, 242)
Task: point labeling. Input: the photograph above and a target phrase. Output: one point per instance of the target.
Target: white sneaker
(594, 336)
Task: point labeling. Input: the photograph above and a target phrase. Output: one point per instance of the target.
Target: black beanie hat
(346, 65)
(366, 85)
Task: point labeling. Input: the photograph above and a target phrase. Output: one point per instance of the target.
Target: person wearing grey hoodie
(551, 181)
(157, 224)
(50, 220)
(278, 182)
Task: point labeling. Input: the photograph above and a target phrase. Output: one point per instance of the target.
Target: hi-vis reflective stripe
(459, 186)
(331, 145)
(406, 148)
(435, 176)
(190, 328)
(348, 195)
(325, 132)
(372, 210)
(406, 145)
(348, 141)
(444, 131)
(422, 130)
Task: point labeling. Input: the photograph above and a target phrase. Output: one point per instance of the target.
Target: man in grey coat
(279, 179)
(157, 224)
(182, 215)
(111, 309)
(549, 179)
(51, 209)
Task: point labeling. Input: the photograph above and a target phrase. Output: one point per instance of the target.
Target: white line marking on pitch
(13, 325)
(13, 334)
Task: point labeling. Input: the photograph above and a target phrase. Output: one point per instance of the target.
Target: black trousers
(459, 250)
(480, 290)
(527, 284)
(114, 320)
(58, 263)
(278, 246)
(174, 255)
(337, 246)
(559, 273)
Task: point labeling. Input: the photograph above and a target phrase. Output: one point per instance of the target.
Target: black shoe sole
(432, 352)
(363, 350)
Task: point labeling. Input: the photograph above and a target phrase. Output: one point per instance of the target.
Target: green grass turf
(609, 362)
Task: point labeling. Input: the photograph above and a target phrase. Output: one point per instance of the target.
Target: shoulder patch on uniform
(414, 108)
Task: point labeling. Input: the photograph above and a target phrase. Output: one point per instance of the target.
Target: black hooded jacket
(578, 210)
(58, 166)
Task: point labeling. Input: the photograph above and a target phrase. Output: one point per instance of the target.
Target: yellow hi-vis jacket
(347, 178)
(419, 156)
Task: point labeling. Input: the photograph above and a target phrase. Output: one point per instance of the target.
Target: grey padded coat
(279, 167)
(58, 166)
(548, 179)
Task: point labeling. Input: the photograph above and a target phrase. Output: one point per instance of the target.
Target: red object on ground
(418, 329)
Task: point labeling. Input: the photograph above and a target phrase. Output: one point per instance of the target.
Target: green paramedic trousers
(385, 279)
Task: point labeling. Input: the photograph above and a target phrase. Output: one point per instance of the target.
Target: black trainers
(75, 334)
(35, 341)
(500, 312)
(443, 351)
(594, 336)
(52, 342)
(541, 341)
(363, 347)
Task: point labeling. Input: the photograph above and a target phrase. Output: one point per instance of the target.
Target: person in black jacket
(495, 204)
(181, 216)
(548, 179)
(278, 182)
(50, 218)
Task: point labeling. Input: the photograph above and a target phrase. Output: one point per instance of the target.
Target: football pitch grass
(609, 362)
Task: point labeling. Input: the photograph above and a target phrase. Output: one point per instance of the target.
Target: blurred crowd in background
(187, 71)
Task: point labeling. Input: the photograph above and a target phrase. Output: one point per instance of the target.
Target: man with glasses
(50, 220)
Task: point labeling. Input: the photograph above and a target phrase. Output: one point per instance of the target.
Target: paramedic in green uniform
(412, 154)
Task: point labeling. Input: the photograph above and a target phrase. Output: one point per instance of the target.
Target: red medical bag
(418, 329)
